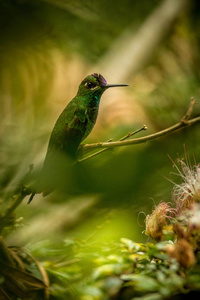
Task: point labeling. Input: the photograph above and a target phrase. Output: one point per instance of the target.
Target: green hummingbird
(72, 126)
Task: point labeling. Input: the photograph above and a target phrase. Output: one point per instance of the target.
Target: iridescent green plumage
(72, 127)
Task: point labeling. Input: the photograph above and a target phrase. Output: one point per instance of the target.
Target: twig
(144, 127)
(185, 122)
(19, 194)
(92, 155)
(15, 203)
(189, 111)
(18, 199)
(128, 135)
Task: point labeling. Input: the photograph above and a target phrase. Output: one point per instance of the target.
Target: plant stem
(185, 122)
(22, 193)
(106, 149)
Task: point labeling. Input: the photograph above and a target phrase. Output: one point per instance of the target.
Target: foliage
(128, 270)
(125, 270)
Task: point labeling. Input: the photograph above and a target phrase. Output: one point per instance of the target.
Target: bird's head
(94, 85)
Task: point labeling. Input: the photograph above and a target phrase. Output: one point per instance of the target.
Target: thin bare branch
(185, 122)
(189, 111)
(144, 127)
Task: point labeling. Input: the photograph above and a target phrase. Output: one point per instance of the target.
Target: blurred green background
(46, 48)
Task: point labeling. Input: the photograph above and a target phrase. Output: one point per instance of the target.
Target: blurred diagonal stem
(185, 122)
(133, 49)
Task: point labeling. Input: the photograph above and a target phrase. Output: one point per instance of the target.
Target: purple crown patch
(100, 79)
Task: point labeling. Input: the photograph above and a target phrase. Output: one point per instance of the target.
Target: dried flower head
(158, 219)
(182, 252)
(188, 192)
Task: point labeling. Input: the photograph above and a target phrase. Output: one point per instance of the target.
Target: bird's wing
(69, 124)
(79, 120)
(65, 139)
(75, 130)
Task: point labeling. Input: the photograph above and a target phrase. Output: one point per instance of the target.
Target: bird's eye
(90, 85)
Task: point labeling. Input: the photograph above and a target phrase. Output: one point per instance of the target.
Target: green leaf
(142, 282)
(153, 296)
(130, 245)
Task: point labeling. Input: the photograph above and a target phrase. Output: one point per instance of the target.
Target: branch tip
(184, 122)
(144, 127)
(185, 119)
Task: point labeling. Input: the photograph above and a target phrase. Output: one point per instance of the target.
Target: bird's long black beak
(114, 85)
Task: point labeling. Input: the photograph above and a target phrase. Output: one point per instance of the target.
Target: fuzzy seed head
(187, 193)
(158, 219)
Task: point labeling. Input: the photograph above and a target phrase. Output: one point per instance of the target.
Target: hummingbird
(72, 126)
